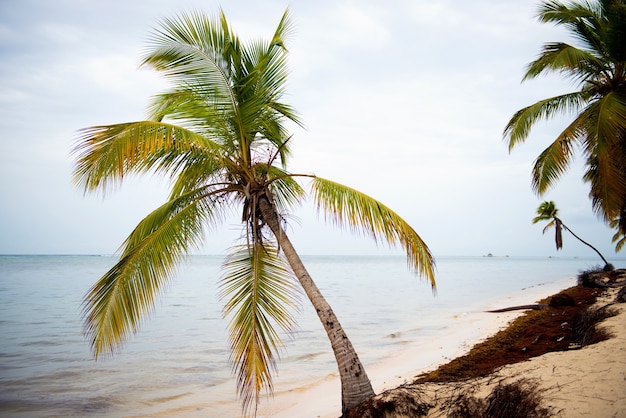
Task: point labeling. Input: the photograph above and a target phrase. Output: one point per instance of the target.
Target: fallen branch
(536, 307)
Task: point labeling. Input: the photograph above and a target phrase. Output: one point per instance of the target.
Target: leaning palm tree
(598, 66)
(547, 211)
(220, 134)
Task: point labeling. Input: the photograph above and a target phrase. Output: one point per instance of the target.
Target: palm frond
(605, 122)
(546, 212)
(518, 128)
(359, 212)
(201, 169)
(261, 292)
(616, 32)
(558, 233)
(584, 20)
(191, 108)
(555, 159)
(105, 154)
(286, 191)
(573, 62)
(194, 49)
(548, 226)
(262, 88)
(619, 238)
(115, 305)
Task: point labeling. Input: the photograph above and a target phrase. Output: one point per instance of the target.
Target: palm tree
(547, 211)
(220, 134)
(598, 66)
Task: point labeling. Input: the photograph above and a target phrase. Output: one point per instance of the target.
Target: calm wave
(180, 354)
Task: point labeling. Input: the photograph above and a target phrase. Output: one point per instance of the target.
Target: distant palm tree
(547, 211)
(220, 135)
(598, 66)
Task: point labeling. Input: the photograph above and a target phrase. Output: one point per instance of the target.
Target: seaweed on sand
(535, 333)
(519, 399)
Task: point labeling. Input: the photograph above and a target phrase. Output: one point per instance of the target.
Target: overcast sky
(403, 100)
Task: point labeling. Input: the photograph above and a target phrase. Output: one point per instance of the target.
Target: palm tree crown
(598, 66)
(547, 211)
(220, 134)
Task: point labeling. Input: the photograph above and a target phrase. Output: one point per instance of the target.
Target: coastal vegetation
(220, 134)
(598, 66)
(521, 398)
(535, 333)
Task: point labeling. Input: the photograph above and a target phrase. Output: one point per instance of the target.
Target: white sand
(322, 399)
(590, 382)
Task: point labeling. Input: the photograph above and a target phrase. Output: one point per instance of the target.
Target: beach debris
(597, 277)
(521, 398)
(587, 324)
(403, 401)
(560, 299)
(536, 306)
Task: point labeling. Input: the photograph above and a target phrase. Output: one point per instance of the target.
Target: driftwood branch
(537, 307)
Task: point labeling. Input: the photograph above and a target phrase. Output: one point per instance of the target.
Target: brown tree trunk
(355, 385)
(608, 266)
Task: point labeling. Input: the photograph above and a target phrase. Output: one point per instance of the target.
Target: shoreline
(575, 383)
(322, 399)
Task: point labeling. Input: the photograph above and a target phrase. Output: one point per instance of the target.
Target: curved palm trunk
(355, 385)
(606, 263)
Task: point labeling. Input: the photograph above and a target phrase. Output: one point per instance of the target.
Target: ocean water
(179, 360)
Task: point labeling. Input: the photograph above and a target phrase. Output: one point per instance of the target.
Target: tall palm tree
(598, 66)
(547, 211)
(220, 134)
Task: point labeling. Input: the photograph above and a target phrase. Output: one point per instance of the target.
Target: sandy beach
(588, 382)
(577, 383)
(322, 399)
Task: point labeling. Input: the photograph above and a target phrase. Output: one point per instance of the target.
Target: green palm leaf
(191, 108)
(584, 20)
(518, 128)
(286, 191)
(198, 51)
(605, 126)
(619, 238)
(115, 305)
(567, 59)
(105, 154)
(554, 160)
(261, 292)
(598, 65)
(360, 212)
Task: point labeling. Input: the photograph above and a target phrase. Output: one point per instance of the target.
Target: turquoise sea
(180, 356)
